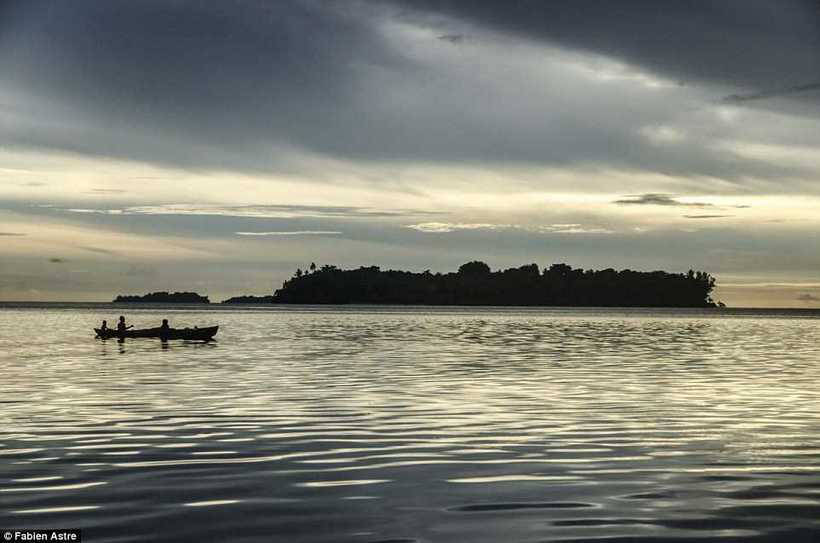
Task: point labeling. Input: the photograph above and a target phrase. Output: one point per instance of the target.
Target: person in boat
(164, 329)
(104, 327)
(121, 327)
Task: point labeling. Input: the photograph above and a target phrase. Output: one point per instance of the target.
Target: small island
(249, 300)
(164, 298)
(476, 284)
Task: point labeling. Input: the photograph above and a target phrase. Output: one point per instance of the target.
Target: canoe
(196, 334)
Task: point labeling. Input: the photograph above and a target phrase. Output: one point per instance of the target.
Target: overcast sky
(218, 146)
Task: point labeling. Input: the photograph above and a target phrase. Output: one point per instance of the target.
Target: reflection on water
(404, 425)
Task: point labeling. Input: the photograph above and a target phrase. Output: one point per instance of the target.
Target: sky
(219, 146)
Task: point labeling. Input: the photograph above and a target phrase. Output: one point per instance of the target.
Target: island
(164, 298)
(476, 284)
(249, 300)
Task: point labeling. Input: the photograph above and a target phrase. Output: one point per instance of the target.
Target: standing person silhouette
(121, 327)
(164, 330)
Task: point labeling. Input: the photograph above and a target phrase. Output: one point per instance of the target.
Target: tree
(476, 267)
(560, 270)
(312, 267)
(298, 272)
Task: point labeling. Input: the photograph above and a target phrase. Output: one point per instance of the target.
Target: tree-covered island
(476, 284)
(164, 298)
(249, 300)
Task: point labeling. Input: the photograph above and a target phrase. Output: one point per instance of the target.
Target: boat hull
(192, 334)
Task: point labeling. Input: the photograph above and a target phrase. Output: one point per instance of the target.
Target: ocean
(390, 424)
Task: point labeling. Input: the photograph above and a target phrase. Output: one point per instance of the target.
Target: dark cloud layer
(238, 85)
(221, 75)
(706, 216)
(753, 44)
(658, 200)
(748, 97)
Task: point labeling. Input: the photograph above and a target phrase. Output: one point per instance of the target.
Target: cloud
(668, 200)
(663, 135)
(452, 38)
(107, 191)
(656, 199)
(253, 86)
(292, 233)
(98, 250)
(259, 211)
(10, 234)
(219, 78)
(522, 120)
(93, 211)
(442, 228)
(806, 297)
(748, 97)
(55, 260)
(572, 229)
(445, 227)
(758, 44)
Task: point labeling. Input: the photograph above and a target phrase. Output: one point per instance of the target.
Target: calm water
(411, 425)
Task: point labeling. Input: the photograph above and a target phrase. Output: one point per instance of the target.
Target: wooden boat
(194, 334)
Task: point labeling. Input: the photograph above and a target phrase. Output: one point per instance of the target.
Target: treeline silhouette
(165, 297)
(475, 284)
(249, 300)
